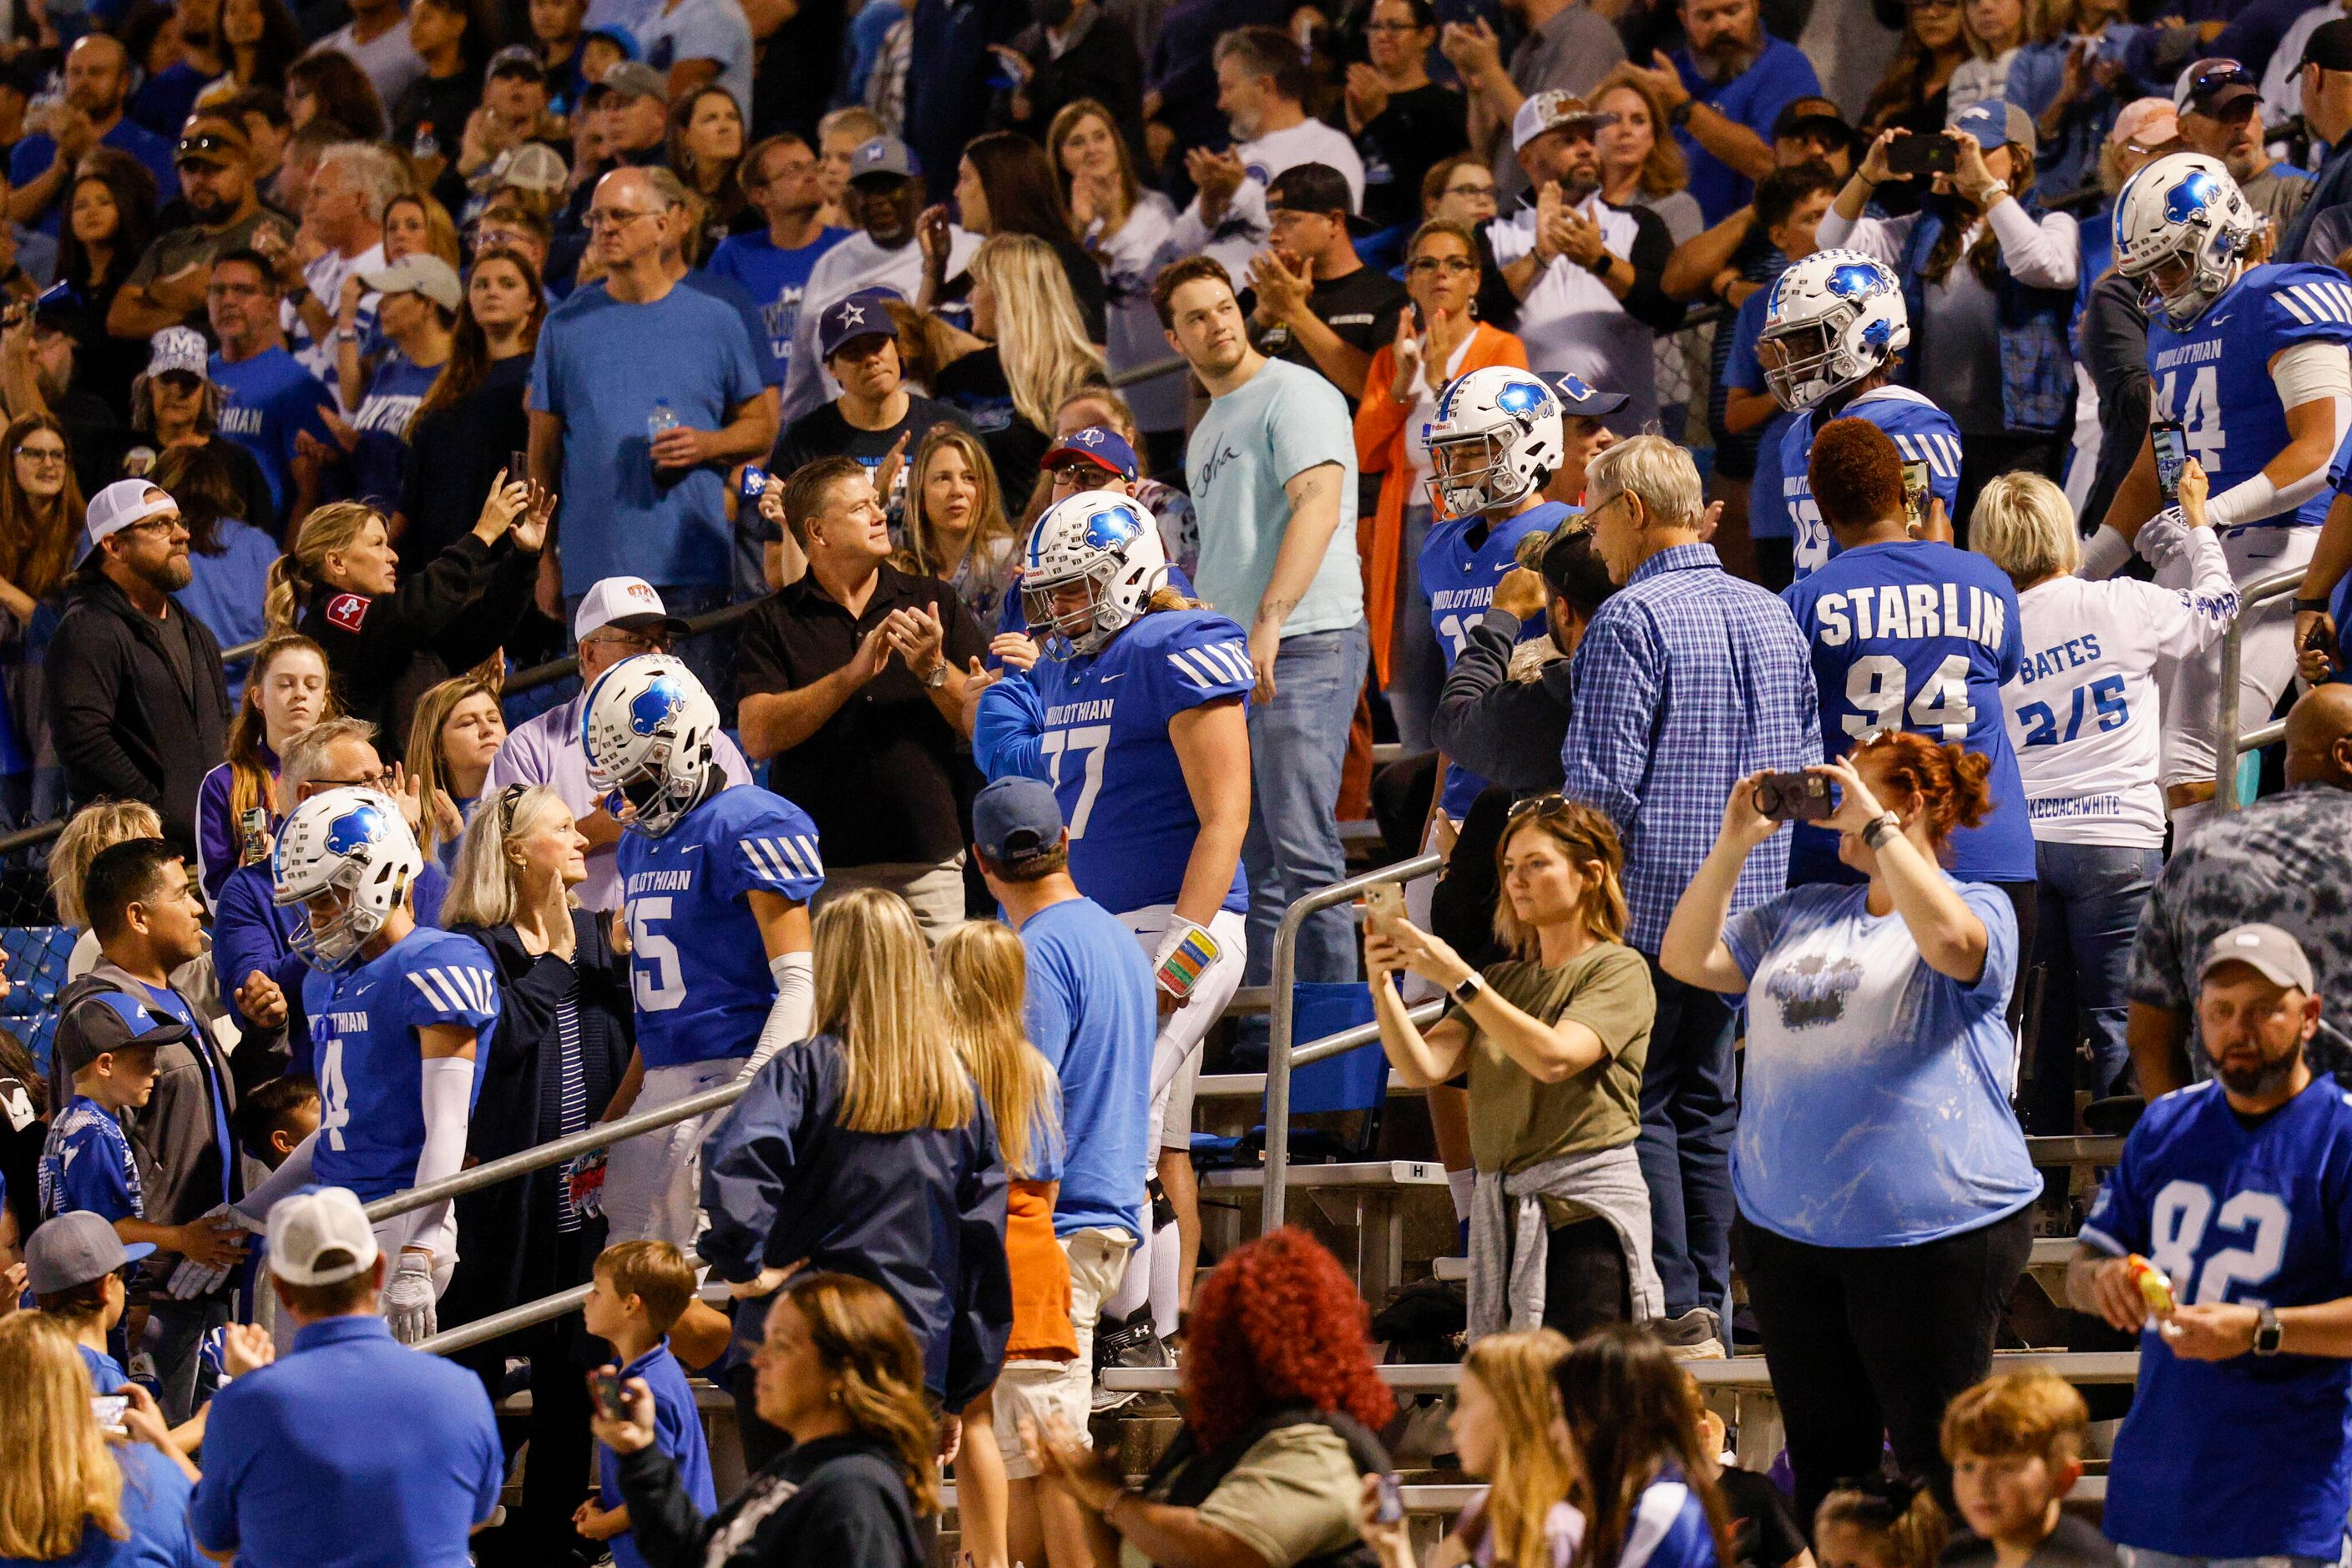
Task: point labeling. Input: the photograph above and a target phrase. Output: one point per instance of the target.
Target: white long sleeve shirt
(2083, 713)
(2043, 255)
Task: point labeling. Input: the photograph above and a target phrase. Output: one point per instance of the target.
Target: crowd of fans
(1000, 476)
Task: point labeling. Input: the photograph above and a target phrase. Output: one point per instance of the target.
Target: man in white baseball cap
(138, 702)
(618, 618)
(348, 1413)
(417, 304)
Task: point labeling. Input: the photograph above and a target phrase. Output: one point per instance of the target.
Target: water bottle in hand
(663, 418)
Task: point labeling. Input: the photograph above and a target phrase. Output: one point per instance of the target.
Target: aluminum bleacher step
(1362, 1173)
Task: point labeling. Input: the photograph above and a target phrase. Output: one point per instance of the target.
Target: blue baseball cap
(1578, 395)
(1995, 122)
(113, 1021)
(1100, 445)
(1015, 818)
(864, 314)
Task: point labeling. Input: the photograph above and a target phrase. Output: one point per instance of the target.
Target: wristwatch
(1876, 833)
(2307, 606)
(1987, 195)
(1467, 992)
(1679, 115)
(2268, 1332)
(938, 676)
(1602, 265)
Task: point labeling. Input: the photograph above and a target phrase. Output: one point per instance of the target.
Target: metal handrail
(2228, 743)
(1279, 1057)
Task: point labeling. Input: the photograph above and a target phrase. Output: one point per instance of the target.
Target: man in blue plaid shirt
(1687, 680)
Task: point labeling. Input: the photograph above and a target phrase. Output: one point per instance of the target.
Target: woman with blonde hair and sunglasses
(1508, 1432)
(70, 1490)
(866, 1149)
(1554, 1040)
(1007, 1516)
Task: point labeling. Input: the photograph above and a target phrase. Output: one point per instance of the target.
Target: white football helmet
(1497, 438)
(1101, 538)
(648, 732)
(352, 845)
(1832, 319)
(2184, 207)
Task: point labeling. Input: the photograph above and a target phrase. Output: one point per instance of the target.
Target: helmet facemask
(334, 946)
(656, 793)
(1471, 473)
(1079, 631)
(1812, 361)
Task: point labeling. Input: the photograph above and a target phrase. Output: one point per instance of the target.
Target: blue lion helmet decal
(1524, 398)
(653, 707)
(356, 831)
(2192, 196)
(1112, 527)
(1856, 279)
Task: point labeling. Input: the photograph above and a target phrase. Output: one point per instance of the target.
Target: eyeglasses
(1427, 266)
(1541, 808)
(165, 526)
(379, 780)
(1484, 188)
(601, 220)
(1392, 27)
(626, 639)
(1078, 474)
(42, 454)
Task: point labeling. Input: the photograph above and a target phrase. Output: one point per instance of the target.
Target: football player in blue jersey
(1137, 715)
(2251, 362)
(715, 886)
(2223, 1239)
(400, 1016)
(1910, 634)
(1833, 328)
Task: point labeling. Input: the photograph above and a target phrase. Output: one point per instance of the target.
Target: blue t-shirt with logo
(266, 402)
(387, 411)
(1093, 1012)
(775, 277)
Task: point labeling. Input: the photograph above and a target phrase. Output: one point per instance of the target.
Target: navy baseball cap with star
(864, 315)
(1100, 445)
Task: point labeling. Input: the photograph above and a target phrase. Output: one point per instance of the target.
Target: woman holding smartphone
(1884, 1191)
(1554, 1040)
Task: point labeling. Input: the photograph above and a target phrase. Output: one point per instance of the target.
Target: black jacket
(834, 1503)
(1506, 732)
(1102, 65)
(139, 706)
(515, 1253)
(920, 1214)
(463, 606)
(2114, 351)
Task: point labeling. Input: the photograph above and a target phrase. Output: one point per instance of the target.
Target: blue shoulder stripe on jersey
(1212, 664)
(791, 857)
(460, 990)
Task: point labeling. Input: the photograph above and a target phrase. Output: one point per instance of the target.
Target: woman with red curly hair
(1885, 1197)
(1281, 1401)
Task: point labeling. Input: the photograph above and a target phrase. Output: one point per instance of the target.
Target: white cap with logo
(629, 603)
(320, 1237)
(125, 503)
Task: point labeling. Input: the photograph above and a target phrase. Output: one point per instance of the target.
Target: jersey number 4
(334, 1096)
(2176, 1224)
(654, 975)
(1086, 743)
(2200, 416)
(1877, 686)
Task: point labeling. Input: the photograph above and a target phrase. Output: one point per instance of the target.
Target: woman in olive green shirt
(1554, 1040)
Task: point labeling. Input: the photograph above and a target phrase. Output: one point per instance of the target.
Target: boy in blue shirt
(640, 1289)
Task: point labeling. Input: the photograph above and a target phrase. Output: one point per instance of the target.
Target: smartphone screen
(2171, 456)
(109, 1409)
(1919, 155)
(1383, 901)
(608, 1385)
(1914, 491)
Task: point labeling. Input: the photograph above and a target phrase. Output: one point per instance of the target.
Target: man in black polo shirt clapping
(852, 679)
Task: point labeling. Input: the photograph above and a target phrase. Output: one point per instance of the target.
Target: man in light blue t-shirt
(713, 37)
(610, 362)
(1272, 470)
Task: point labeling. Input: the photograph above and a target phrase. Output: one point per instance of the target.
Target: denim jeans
(1690, 1108)
(2090, 898)
(1416, 663)
(1298, 742)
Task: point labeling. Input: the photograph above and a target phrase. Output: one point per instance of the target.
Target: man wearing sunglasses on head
(2220, 110)
(166, 284)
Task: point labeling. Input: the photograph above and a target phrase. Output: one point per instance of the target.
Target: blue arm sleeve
(1007, 731)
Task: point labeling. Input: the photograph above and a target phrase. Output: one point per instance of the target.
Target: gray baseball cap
(2265, 949)
(74, 1249)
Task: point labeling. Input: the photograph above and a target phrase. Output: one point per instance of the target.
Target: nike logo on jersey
(1212, 664)
(786, 860)
(459, 990)
(1107, 679)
